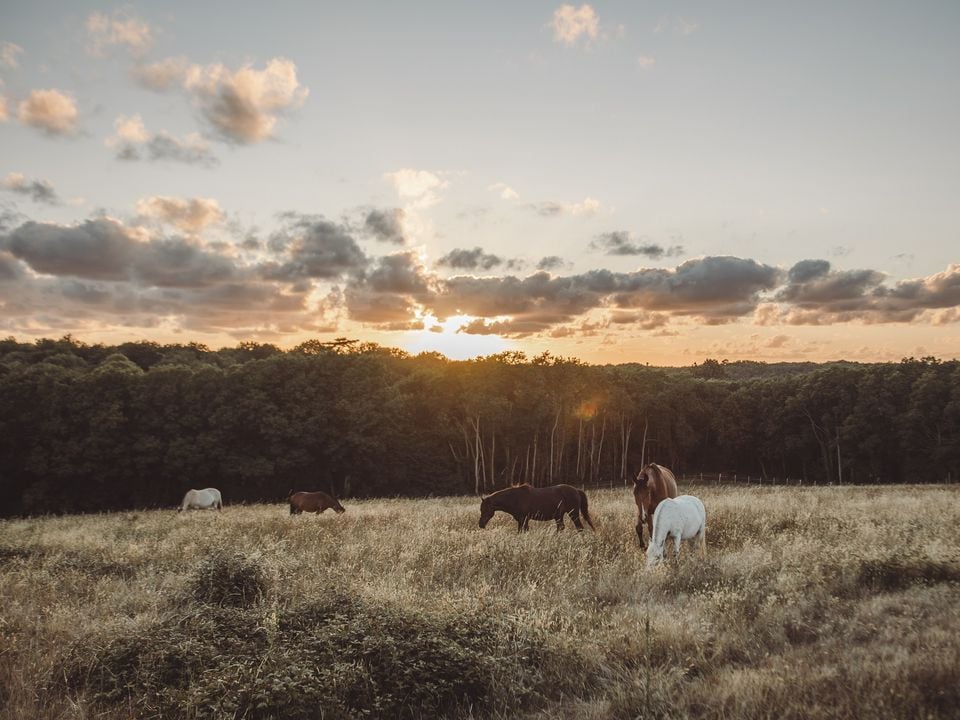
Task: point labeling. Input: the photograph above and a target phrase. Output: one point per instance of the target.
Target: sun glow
(447, 337)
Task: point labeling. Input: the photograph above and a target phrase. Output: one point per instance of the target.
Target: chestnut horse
(315, 502)
(527, 503)
(652, 484)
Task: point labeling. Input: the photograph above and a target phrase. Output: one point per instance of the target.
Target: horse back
(667, 485)
(549, 499)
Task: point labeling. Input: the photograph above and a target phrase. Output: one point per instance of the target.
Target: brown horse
(527, 503)
(652, 484)
(315, 502)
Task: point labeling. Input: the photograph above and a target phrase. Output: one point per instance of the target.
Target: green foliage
(92, 428)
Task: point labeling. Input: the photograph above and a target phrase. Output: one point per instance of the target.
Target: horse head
(644, 487)
(486, 511)
(337, 507)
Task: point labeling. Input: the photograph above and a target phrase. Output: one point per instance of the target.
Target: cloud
(645, 62)
(121, 29)
(419, 188)
(189, 215)
(4, 109)
(716, 289)
(475, 259)
(310, 246)
(242, 106)
(389, 293)
(570, 24)
(162, 76)
(385, 225)
(103, 273)
(50, 111)
(8, 55)
(812, 283)
(549, 208)
(505, 191)
(132, 142)
(40, 191)
(816, 294)
(551, 262)
(619, 242)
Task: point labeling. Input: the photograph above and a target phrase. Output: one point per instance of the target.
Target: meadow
(814, 602)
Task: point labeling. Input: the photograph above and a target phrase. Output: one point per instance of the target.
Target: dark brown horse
(315, 502)
(527, 503)
(652, 484)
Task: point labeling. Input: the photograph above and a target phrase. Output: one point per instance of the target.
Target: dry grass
(811, 603)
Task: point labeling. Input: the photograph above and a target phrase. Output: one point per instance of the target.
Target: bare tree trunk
(536, 438)
(580, 451)
(643, 448)
(625, 431)
(822, 443)
(493, 458)
(593, 447)
(553, 433)
(476, 456)
(603, 432)
(839, 466)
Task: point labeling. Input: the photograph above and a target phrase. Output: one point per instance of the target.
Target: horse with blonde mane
(653, 484)
(683, 518)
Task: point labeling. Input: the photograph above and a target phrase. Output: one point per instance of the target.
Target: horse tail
(584, 510)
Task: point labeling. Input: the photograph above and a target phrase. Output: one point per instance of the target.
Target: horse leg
(678, 539)
(575, 516)
(559, 522)
(526, 523)
(643, 545)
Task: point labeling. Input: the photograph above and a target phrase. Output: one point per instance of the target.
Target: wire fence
(741, 479)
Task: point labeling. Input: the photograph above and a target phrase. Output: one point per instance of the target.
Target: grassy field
(811, 603)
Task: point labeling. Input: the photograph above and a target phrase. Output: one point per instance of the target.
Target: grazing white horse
(681, 518)
(208, 499)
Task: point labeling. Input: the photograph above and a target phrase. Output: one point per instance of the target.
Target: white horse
(208, 499)
(681, 518)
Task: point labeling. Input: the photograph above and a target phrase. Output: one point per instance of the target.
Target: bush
(338, 657)
(229, 579)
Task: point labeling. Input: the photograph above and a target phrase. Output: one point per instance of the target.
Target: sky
(655, 182)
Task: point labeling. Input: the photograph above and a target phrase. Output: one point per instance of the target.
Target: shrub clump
(338, 657)
(229, 579)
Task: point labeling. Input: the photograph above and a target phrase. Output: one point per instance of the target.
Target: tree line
(94, 427)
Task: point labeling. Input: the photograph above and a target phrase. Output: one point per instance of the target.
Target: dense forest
(93, 427)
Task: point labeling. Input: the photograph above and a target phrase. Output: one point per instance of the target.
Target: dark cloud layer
(105, 272)
(550, 262)
(385, 225)
(40, 191)
(815, 294)
(311, 246)
(619, 242)
(165, 147)
(475, 259)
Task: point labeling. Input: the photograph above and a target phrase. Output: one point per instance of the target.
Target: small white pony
(681, 518)
(208, 499)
